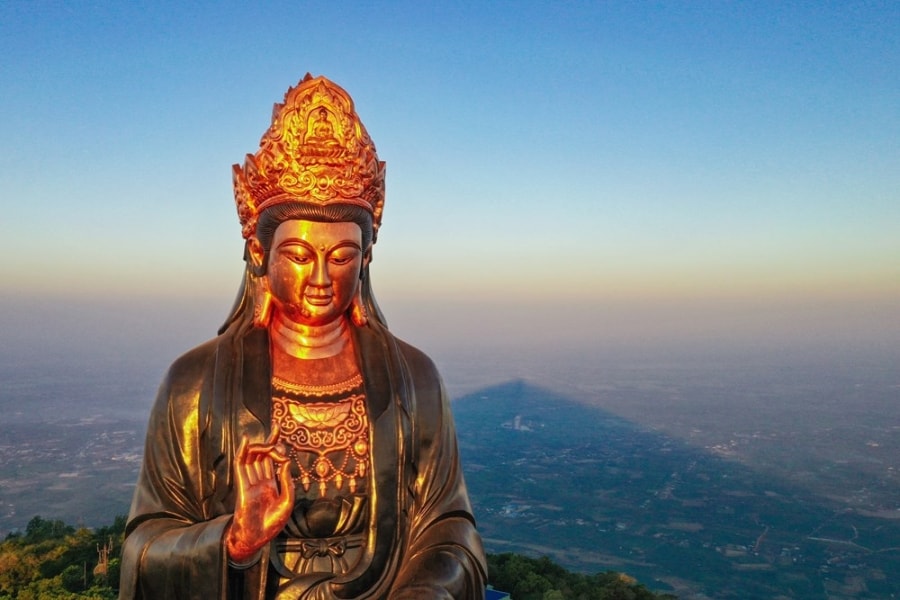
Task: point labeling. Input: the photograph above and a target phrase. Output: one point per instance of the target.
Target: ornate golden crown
(316, 151)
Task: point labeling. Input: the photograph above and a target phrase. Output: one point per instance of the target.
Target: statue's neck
(306, 341)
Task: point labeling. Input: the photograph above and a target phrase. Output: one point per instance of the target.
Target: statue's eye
(342, 258)
(300, 259)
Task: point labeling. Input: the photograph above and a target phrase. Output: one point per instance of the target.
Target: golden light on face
(314, 269)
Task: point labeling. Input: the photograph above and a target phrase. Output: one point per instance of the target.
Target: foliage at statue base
(541, 579)
(55, 561)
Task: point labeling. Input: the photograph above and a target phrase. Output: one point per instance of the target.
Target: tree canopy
(527, 578)
(55, 561)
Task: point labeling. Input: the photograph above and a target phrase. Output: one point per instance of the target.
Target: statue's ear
(367, 256)
(255, 253)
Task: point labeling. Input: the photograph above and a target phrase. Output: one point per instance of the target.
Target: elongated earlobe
(255, 257)
(358, 313)
(262, 303)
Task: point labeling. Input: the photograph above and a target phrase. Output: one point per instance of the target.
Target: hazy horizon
(475, 345)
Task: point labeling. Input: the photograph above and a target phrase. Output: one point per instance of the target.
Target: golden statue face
(313, 270)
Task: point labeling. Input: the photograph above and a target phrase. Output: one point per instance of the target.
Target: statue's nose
(320, 276)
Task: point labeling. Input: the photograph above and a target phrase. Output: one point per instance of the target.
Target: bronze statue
(305, 452)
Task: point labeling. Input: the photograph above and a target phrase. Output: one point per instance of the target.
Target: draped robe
(421, 537)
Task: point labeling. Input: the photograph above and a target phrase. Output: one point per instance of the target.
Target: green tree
(39, 530)
(54, 561)
(541, 579)
(73, 578)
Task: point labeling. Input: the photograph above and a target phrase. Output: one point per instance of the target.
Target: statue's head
(316, 164)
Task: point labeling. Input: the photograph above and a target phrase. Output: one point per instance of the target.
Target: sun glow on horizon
(589, 155)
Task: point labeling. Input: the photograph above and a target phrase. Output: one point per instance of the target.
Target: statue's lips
(318, 300)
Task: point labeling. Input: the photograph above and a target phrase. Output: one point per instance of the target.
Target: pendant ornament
(327, 441)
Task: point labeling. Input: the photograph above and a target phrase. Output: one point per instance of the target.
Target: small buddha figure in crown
(320, 129)
(305, 452)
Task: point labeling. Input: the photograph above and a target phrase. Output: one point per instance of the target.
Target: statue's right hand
(264, 503)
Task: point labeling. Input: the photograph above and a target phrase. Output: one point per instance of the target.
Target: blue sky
(621, 169)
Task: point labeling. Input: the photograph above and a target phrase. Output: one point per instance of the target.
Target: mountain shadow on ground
(549, 475)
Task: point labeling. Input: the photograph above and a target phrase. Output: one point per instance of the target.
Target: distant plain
(816, 433)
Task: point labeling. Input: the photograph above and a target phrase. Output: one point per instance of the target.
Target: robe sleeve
(444, 557)
(173, 546)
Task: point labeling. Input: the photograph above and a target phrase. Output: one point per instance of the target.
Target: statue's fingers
(287, 485)
(252, 475)
(259, 471)
(258, 451)
(266, 469)
(261, 458)
(273, 435)
(240, 465)
(243, 447)
(279, 455)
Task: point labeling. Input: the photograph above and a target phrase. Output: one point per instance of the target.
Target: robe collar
(390, 401)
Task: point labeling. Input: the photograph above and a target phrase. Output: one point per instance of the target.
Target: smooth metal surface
(305, 452)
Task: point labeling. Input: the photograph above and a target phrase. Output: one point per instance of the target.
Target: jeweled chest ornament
(328, 441)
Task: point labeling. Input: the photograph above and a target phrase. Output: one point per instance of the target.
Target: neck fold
(308, 341)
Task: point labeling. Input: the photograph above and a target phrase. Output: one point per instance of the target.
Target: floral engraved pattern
(315, 151)
(328, 441)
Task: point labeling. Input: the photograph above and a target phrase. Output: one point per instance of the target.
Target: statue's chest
(325, 431)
